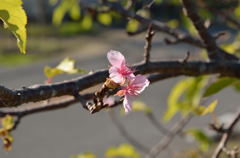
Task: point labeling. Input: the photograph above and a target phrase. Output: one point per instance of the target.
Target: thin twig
(148, 43)
(157, 25)
(214, 52)
(164, 143)
(225, 137)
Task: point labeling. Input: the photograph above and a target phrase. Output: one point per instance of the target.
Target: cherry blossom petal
(115, 75)
(116, 58)
(139, 83)
(127, 103)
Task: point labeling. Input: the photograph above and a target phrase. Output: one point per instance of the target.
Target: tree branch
(214, 52)
(164, 143)
(225, 137)
(43, 92)
(148, 44)
(157, 25)
(66, 102)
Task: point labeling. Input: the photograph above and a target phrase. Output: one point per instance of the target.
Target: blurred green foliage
(203, 140)
(185, 96)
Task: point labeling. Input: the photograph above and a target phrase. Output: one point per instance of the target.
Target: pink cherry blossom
(119, 71)
(135, 86)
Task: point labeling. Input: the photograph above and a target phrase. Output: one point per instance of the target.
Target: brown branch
(226, 16)
(164, 143)
(225, 137)
(148, 44)
(214, 52)
(43, 92)
(231, 19)
(157, 25)
(66, 102)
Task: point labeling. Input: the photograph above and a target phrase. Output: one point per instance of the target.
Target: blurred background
(66, 28)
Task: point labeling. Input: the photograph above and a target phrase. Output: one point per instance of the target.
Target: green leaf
(237, 11)
(15, 19)
(105, 18)
(210, 108)
(203, 140)
(71, 6)
(85, 155)
(202, 110)
(144, 13)
(140, 106)
(193, 93)
(185, 96)
(132, 25)
(124, 150)
(66, 66)
(219, 85)
(87, 22)
(158, 1)
(7, 122)
(53, 2)
(173, 104)
(75, 12)
(189, 25)
(175, 2)
(173, 23)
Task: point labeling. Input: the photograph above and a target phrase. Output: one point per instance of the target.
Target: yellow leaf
(7, 122)
(7, 142)
(75, 11)
(105, 18)
(15, 19)
(237, 11)
(210, 108)
(51, 72)
(71, 6)
(173, 23)
(66, 66)
(132, 25)
(124, 150)
(3, 132)
(185, 96)
(144, 13)
(87, 22)
(84, 155)
(202, 110)
(140, 106)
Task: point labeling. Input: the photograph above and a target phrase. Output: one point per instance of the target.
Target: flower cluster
(121, 74)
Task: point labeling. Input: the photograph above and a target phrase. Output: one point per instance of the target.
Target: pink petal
(115, 75)
(139, 83)
(127, 104)
(115, 58)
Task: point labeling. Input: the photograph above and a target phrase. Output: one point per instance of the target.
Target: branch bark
(214, 52)
(225, 137)
(43, 92)
(157, 25)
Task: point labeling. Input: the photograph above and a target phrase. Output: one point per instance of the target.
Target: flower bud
(111, 84)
